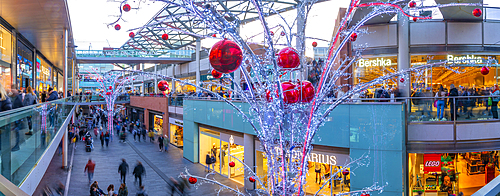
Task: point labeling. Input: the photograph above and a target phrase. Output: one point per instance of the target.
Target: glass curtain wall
(24, 65)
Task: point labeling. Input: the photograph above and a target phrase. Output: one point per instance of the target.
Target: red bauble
(192, 180)
(108, 93)
(272, 33)
(251, 179)
(365, 194)
(268, 96)
(485, 70)
(163, 85)
(315, 44)
(345, 172)
(288, 58)
(354, 36)
(290, 92)
(216, 74)
(402, 80)
(109, 87)
(282, 33)
(214, 35)
(131, 34)
(118, 27)
(231, 164)
(126, 7)
(477, 12)
(415, 19)
(164, 36)
(306, 90)
(412, 4)
(226, 56)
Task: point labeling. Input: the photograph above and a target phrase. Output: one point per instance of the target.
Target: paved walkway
(159, 167)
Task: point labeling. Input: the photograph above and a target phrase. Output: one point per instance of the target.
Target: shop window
(176, 135)
(237, 172)
(368, 69)
(319, 172)
(210, 149)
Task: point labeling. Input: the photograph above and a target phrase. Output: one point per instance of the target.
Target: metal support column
(172, 88)
(300, 41)
(155, 85)
(249, 153)
(143, 90)
(403, 51)
(65, 137)
(33, 72)
(198, 48)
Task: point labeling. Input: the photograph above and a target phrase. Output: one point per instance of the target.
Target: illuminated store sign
(45, 70)
(379, 62)
(469, 59)
(318, 157)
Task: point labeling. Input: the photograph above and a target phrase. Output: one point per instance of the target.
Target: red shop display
(490, 172)
(432, 162)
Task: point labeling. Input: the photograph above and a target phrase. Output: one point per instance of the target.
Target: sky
(89, 19)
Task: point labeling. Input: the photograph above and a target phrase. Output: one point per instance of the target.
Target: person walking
(29, 99)
(151, 135)
(111, 190)
(101, 137)
(106, 138)
(166, 141)
(144, 131)
(139, 170)
(160, 142)
(122, 191)
(134, 132)
(440, 103)
(123, 170)
(494, 101)
(142, 192)
(89, 168)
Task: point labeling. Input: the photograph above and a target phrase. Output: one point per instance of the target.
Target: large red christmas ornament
(306, 90)
(290, 92)
(117, 27)
(164, 36)
(402, 80)
(216, 74)
(162, 85)
(315, 44)
(288, 58)
(345, 172)
(232, 164)
(192, 180)
(126, 7)
(225, 56)
(251, 179)
(354, 36)
(485, 70)
(131, 34)
(412, 4)
(477, 12)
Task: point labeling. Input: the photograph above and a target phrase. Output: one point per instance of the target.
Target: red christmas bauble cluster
(226, 56)
(118, 27)
(485, 70)
(288, 58)
(293, 93)
(164, 36)
(126, 7)
(251, 179)
(162, 85)
(477, 12)
(231, 164)
(354, 36)
(216, 74)
(192, 180)
(290, 92)
(131, 34)
(306, 90)
(315, 44)
(412, 4)
(345, 172)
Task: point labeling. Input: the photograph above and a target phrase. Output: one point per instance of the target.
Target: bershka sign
(432, 162)
(467, 59)
(379, 62)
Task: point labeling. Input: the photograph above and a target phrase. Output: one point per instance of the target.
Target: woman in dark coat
(5, 103)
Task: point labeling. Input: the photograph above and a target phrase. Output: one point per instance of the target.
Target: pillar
(143, 89)
(300, 41)
(33, 73)
(249, 156)
(403, 51)
(146, 117)
(14, 60)
(172, 88)
(65, 137)
(198, 48)
(155, 84)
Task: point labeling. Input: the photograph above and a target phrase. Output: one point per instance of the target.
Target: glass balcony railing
(25, 135)
(135, 53)
(94, 98)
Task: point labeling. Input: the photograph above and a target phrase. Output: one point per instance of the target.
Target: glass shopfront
(5, 58)
(451, 173)
(24, 65)
(368, 69)
(44, 75)
(176, 132)
(223, 148)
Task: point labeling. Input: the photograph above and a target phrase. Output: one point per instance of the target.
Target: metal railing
(94, 99)
(135, 53)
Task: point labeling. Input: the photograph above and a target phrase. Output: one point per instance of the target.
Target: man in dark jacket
(52, 94)
(139, 170)
(17, 102)
(453, 109)
(123, 169)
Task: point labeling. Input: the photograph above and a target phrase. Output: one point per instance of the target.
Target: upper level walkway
(133, 56)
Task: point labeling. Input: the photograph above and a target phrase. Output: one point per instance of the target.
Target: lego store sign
(432, 162)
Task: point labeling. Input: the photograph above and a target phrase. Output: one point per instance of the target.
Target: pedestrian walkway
(159, 167)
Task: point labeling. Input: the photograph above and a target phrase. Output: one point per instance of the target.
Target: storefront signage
(176, 121)
(467, 59)
(379, 62)
(45, 70)
(318, 157)
(432, 162)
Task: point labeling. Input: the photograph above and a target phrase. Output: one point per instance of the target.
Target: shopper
(143, 132)
(29, 99)
(89, 168)
(122, 191)
(166, 141)
(453, 101)
(106, 138)
(111, 190)
(160, 142)
(52, 94)
(440, 103)
(142, 192)
(139, 170)
(101, 137)
(123, 170)
(151, 135)
(5, 103)
(134, 132)
(94, 189)
(494, 101)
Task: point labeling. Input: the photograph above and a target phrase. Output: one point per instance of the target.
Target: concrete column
(198, 48)
(146, 118)
(172, 88)
(249, 156)
(13, 66)
(155, 84)
(65, 89)
(403, 51)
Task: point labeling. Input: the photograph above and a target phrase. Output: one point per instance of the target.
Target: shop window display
(451, 173)
(370, 68)
(209, 149)
(158, 124)
(319, 172)
(237, 172)
(176, 135)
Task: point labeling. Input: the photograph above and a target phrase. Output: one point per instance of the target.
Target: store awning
(360, 13)
(463, 13)
(42, 22)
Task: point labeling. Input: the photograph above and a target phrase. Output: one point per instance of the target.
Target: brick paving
(159, 167)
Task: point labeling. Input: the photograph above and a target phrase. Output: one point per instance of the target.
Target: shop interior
(451, 173)
(176, 135)
(158, 124)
